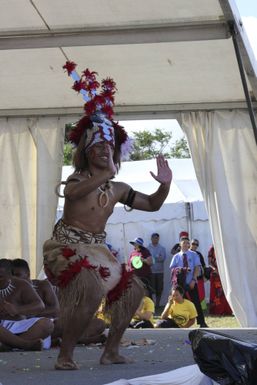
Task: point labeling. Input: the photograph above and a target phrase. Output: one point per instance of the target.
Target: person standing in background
(176, 248)
(140, 261)
(200, 279)
(188, 262)
(158, 254)
(218, 302)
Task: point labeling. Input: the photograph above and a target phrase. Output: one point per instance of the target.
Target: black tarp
(226, 360)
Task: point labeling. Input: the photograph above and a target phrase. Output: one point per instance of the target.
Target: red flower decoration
(108, 111)
(104, 272)
(91, 86)
(89, 75)
(75, 134)
(123, 284)
(90, 107)
(68, 252)
(73, 269)
(79, 85)
(69, 66)
(99, 100)
(108, 95)
(108, 84)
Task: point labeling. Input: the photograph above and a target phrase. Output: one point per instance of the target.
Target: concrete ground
(170, 350)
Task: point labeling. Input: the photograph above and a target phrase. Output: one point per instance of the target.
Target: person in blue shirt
(158, 254)
(186, 265)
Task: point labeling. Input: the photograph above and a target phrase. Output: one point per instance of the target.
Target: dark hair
(6, 264)
(80, 160)
(20, 263)
(184, 239)
(147, 286)
(179, 289)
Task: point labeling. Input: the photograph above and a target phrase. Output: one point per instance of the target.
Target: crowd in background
(29, 309)
(189, 271)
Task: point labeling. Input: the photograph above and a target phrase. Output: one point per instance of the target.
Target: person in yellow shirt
(178, 312)
(143, 317)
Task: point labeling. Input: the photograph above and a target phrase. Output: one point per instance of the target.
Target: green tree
(67, 154)
(148, 145)
(180, 149)
(67, 151)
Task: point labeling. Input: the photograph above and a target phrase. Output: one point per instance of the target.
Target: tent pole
(234, 34)
(189, 218)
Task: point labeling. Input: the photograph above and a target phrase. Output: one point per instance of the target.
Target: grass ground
(223, 322)
(215, 322)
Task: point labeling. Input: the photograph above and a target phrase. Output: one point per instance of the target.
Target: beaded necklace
(7, 290)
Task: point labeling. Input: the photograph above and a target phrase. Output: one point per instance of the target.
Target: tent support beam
(130, 112)
(136, 34)
(234, 34)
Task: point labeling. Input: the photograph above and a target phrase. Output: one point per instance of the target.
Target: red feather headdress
(99, 98)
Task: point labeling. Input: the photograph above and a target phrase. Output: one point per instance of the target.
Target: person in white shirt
(158, 253)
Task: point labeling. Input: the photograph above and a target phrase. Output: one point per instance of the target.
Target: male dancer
(77, 258)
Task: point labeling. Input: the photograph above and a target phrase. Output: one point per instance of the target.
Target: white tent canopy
(169, 59)
(165, 56)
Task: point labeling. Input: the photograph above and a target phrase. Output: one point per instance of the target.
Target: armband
(57, 189)
(130, 200)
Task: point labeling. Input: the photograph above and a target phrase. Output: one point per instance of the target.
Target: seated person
(178, 312)
(19, 304)
(143, 317)
(92, 335)
(44, 289)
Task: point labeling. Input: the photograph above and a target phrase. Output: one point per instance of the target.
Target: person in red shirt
(140, 260)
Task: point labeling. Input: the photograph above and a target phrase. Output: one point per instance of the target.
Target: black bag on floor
(226, 360)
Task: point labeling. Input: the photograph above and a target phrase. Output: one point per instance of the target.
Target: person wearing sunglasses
(201, 278)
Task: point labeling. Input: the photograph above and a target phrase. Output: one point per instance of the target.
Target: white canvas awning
(165, 56)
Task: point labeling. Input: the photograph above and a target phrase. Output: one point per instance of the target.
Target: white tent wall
(225, 159)
(31, 152)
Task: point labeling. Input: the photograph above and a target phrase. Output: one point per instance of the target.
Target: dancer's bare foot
(65, 364)
(109, 358)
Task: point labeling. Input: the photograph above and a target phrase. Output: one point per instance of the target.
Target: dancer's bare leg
(75, 325)
(119, 324)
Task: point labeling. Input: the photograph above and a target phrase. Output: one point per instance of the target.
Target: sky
(248, 12)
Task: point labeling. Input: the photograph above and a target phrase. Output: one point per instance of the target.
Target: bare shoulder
(21, 283)
(44, 284)
(75, 177)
